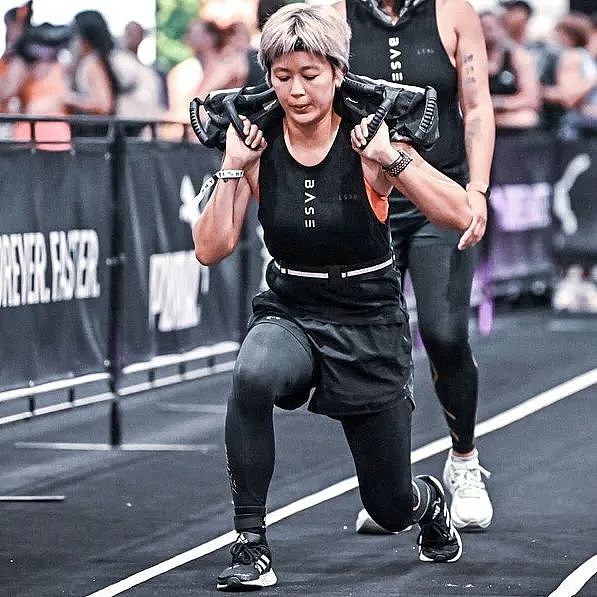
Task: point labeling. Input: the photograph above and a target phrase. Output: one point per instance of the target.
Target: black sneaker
(251, 566)
(438, 540)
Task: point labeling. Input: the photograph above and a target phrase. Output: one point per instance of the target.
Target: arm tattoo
(469, 69)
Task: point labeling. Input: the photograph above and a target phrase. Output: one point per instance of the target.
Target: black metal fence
(99, 286)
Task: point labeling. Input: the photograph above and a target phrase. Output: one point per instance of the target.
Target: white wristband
(228, 174)
(207, 186)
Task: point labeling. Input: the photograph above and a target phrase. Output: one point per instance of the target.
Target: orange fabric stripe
(379, 203)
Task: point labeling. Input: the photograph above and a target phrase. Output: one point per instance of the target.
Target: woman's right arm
(217, 231)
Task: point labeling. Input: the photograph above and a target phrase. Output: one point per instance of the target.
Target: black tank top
(411, 52)
(319, 215)
(504, 82)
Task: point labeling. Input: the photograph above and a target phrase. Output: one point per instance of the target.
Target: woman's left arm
(441, 199)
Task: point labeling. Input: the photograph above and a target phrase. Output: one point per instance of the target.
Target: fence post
(114, 362)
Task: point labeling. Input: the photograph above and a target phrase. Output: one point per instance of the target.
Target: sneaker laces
(467, 479)
(247, 553)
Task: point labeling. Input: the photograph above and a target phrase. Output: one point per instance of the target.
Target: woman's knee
(389, 504)
(251, 388)
(393, 514)
(446, 345)
(271, 366)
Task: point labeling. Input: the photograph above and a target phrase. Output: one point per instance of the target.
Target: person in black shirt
(513, 81)
(439, 43)
(333, 318)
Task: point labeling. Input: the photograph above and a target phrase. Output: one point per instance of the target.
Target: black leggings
(274, 366)
(442, 278)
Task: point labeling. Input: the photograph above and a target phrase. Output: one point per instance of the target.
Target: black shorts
(359, 367)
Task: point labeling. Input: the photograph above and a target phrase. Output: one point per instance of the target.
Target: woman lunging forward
(333, 317)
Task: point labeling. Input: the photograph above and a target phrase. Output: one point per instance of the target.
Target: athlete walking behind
(333, 316)
(439, 43)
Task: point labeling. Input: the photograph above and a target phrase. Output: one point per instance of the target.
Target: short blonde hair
(303, 28)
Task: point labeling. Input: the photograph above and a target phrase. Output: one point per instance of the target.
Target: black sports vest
(411, 52)
(318, 215)
(504, 82)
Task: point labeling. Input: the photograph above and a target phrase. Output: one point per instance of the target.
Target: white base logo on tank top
(309, 205)
(395, 61)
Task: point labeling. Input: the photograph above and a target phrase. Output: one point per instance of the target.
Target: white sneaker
(471, 507)
(365, 525)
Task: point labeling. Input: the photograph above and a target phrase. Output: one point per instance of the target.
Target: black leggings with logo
(274, 368)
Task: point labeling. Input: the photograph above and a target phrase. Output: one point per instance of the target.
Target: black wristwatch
(398, 165)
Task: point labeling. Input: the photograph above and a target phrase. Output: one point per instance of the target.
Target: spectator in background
(219, 61)
(516, 17)
(573, 96)
(513, 81)
(94, 85)
(36, 81)
(134, 34)
(183, 79)
(228, 66)
(140, 94)
(15, 21)
(237, 37)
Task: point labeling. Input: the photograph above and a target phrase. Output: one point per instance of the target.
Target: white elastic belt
(207, 186)
(326, 275)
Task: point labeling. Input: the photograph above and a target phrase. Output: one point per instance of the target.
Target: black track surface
(126, 511)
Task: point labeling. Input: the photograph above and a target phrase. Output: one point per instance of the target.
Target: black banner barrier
(575, 203)
(55, 237)
(519, 232)
(169, 302)
(70, 305)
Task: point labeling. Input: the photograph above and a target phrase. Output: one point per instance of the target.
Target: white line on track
(86, 447)
(559, 392)
(31, 498)
(577, 580)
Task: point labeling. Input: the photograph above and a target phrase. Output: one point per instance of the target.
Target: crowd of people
(99, 76)
(548, 83)
(82, 69)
